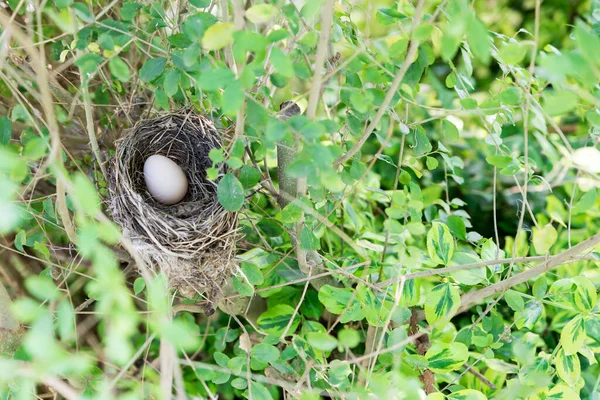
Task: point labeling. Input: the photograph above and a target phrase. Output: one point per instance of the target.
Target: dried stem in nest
(193, 241)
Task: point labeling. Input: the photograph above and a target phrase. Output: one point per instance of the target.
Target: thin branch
(472, 298)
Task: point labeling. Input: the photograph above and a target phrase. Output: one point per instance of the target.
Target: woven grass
(192, 241)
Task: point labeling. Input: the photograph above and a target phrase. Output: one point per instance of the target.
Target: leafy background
(426, 226)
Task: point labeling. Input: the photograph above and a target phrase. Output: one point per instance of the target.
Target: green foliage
(456, 239)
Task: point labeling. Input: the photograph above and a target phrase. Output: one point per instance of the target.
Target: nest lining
(192, 241)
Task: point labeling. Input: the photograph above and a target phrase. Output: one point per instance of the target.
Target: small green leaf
(514, 300)
(139, 285)
(560, 102)
(568, 367)
(341, 300)
(512, 53)
(544, 238)
(233, 98)
(308, 240)
(152, 69)
(218, 36)
(242, 287)
(479, 39)
(321, 341)
(442, 303)
(450, 130)
(585, 296)
(230, 193)
(282, 63)
(5, 130)
(290, 214)
(171, 84)
(85, 195)
(265, 352)
(275, 320)
(446, 357)
(440, 244)
(119, 69)
(586, 202)
(261, 13)
(572, 336)
(253, 273)
(457, 227)
(249, 177)
(200, 3)
(349, 338)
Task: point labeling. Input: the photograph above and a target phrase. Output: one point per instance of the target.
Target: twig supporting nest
(193, 241)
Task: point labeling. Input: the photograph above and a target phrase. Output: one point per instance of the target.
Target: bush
(415, 185)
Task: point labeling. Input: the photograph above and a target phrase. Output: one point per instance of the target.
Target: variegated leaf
(440, 244)
(442, 303)
(567, 367)
(573, 335)
(445, 357)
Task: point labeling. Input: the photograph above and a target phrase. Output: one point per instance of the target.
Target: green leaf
(5, 130)
(200, 3)
(530, 314)
(20, 240)
(588, 42)
(514, 300)
(308, 240)
(196, 25)
(341, 300)
(215, 79)
(440, 244)
(457, 227)
(139, 285)
(586, 202)
(83, 12)
(585, 296)
(230, 193)
(479, 40)
(119, 69)
(261, 13)
(282, 63)
(42, 288)
(450, 130)
(85, 195)
(422, 143)
(242, 287)
(253, 273)
(152, 69)
(512, 53)
(560, 102)
(290, 214)
(218, 36)
(321, 341)
(442, 303)
(265, 352)
(567, 367)
(233, 98)
(249, 177)
(572, 336)
(275, 319)
(171, 84)
(36, 148)
(349, 338)
(260, 392)
(544, 238)
(471, 276)
(446, 357)
(498, 160)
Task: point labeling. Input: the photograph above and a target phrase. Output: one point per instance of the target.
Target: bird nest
(193, 241)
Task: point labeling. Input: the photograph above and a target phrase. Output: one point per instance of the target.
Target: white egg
(165, 180)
